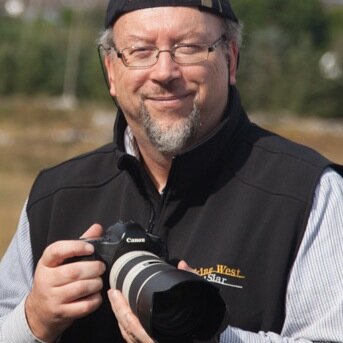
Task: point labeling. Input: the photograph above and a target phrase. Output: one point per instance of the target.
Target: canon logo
(135, 240)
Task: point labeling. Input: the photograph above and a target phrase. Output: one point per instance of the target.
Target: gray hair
(232, 31)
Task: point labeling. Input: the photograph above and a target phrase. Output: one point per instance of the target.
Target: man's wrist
(40, 331)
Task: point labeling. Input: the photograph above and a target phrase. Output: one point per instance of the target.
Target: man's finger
(79, 289)
(119, 304)
(82, 307)
(128, 322)
(94, 231)
(71, 272)
(57, 252)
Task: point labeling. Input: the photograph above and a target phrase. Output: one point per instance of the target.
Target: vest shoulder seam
(102, 150)
(263, 189)
(71, 186)
(277, 151)
(306, 157)
(49, 173)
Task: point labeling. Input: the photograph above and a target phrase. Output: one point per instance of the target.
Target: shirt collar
(130, 144)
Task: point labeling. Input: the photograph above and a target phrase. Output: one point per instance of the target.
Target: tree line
(282, 65)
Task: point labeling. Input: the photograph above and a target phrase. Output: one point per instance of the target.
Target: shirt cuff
(16, 329)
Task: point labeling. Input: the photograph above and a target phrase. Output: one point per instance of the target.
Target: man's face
(169, 106)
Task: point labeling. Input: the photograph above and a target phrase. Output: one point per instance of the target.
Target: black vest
(235, 208)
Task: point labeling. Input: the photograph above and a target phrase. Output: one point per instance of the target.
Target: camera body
(122, 238)
(172, 305)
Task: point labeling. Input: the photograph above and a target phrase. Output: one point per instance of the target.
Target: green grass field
(37, 133)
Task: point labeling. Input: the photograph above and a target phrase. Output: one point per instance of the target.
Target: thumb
(184, 266)
(94, 231)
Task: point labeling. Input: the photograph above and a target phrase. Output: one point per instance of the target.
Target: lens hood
(173, 305)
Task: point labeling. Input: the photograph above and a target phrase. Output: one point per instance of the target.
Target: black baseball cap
(118, 7)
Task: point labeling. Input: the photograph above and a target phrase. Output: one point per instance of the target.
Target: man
(256, 214)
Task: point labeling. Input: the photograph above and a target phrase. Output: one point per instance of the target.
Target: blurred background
(54, 103)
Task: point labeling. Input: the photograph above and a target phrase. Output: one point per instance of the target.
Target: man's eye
(190, 49)
(141, 52)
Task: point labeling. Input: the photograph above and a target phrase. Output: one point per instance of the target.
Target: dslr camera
(173, 305)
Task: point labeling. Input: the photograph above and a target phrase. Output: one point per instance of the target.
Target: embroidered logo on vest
(222, 275)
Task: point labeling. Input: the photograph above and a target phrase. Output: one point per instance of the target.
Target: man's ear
(110, 74)
(233, 60)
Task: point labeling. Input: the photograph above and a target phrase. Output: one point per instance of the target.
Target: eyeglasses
(183, 54)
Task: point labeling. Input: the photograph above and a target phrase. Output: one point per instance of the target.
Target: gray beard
(174, 139)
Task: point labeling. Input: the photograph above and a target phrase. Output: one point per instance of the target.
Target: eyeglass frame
(210, 48)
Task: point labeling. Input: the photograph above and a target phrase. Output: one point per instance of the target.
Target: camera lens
(182, 305)
(173, 305)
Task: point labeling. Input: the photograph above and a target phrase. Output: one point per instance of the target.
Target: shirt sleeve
(16, 275)
(314, 299)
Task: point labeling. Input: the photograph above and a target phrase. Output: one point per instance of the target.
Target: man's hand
(61, 292)
(130, 326)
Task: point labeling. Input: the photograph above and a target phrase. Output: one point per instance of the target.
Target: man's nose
(165, 69)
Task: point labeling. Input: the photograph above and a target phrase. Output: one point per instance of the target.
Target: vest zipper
(156, 215)
(151, 223)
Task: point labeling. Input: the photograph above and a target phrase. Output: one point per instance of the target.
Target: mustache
(166, 90)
